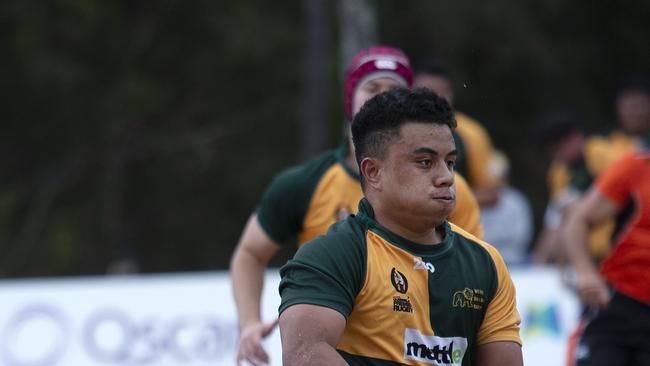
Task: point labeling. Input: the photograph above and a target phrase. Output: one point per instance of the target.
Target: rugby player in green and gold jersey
(397, 284)
(303, 201)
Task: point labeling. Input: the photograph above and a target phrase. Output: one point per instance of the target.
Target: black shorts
(617, 335)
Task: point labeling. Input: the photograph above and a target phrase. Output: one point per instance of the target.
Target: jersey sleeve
(614, 183)
(328, 271)
(466, 214)
(479, 151)
(502, 320)
(283, 206)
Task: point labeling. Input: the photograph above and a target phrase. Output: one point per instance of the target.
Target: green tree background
(150, 129)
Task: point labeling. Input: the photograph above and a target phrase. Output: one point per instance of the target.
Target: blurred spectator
(475, 145)
(508, 225)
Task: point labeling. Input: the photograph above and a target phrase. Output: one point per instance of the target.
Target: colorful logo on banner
(541, 319)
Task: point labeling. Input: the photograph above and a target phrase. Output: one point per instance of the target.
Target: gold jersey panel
(336, 196)
(393, 298)
(479, 151)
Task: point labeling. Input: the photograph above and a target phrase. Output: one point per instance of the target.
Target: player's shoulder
(309, 168)
(343, 246)
(301, 180)
(342, 235)
(476, 245)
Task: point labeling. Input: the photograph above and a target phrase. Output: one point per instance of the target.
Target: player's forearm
(318, 354)
(247, 275)
(575, 236)
(546, 247)
(500, 354)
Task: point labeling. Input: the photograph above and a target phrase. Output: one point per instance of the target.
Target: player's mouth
(444, 198)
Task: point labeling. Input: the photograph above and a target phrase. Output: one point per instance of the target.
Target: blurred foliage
(143, 129)
(149, 129)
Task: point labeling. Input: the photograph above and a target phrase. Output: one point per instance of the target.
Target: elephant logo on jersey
(399, 281)
(468, 298)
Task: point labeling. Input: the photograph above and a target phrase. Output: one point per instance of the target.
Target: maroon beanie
(384, 61)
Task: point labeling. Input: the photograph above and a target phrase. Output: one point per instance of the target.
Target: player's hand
(249, 347)
(592, 289)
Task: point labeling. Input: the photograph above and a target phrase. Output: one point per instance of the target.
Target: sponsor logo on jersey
(402, 304)
(469, 298)
(399, 281)
(418, 263)
(432, 349)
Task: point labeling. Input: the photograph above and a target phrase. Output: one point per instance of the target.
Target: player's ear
(370, 169)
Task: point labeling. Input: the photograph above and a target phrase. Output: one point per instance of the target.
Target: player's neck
(411, 228)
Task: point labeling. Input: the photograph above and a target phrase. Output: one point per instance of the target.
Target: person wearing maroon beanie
(303, 201)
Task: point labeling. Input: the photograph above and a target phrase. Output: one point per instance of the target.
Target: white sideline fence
(189, 319)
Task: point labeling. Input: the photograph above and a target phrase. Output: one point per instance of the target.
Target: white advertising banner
(162, 320)
(190, 319)
(549, 313)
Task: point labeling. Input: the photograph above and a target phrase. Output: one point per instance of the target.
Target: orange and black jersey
(303, 201)
(405, 303)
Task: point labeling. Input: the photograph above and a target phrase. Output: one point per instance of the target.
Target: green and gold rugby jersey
(302, 202)
(405, 303)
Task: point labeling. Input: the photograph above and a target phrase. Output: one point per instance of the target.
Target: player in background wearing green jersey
(396, 283)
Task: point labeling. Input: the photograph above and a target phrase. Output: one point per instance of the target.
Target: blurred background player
(576, 160)
(477, 160)
(632, 105)
(618, 294)
(303, 201)
(560, 137)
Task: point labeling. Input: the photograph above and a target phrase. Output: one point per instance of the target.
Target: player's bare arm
(591, 210)
(251, 257)
(500, 354)
(310, 334)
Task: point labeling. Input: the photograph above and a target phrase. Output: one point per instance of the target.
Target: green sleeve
(328, 271)
(282, 209)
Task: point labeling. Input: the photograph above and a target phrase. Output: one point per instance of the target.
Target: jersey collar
(366, 215)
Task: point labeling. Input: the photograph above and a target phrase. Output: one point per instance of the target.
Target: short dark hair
(379, 120)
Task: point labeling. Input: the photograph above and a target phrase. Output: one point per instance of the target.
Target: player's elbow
(307, 355)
